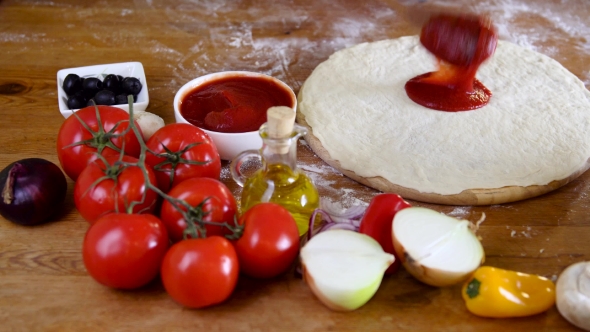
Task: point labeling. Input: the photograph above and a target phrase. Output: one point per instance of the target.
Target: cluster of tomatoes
(157, 207)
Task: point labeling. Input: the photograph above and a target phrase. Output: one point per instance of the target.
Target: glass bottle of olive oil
(278, 180)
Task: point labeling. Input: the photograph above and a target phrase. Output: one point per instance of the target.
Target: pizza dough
(532, 137)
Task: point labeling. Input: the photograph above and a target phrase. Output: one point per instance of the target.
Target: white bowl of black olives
(108, 84)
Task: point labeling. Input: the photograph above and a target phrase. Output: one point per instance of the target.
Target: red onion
(333, 218)
(32, 190)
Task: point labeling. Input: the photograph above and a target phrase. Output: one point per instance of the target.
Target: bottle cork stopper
(280, 121)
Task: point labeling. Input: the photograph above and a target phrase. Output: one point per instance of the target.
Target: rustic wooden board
(467, 197)
(44, 285)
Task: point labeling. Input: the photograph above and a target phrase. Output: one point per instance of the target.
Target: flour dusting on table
(211, 24)
(319, 174)
(460, 212)
(288, 52)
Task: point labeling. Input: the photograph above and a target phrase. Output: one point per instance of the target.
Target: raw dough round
(532, 137)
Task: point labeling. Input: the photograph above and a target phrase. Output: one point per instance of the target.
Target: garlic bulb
(148, 122)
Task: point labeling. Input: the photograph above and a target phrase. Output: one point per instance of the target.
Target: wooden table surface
(43, 283)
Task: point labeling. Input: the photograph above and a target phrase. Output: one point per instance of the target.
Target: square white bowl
(125, 69)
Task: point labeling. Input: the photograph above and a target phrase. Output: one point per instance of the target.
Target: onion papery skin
(37, 191)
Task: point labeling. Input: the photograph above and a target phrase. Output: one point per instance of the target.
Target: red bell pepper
(378, 221)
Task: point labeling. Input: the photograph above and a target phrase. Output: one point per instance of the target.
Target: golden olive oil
(278, 183)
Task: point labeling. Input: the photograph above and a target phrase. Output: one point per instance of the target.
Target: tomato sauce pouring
(461, 44)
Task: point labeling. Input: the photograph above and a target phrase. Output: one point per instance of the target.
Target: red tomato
(269, 243)
(378, 222)
(125, 250)
(218, 207)
(182, 151)
(200, 272)
(77, 145)
(100, 189)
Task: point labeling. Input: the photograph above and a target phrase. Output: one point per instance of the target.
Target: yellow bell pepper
(498, 293)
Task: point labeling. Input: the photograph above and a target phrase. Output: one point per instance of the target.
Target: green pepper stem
(472, 289)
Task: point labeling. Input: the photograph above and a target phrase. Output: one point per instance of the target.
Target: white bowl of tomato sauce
(231, 106)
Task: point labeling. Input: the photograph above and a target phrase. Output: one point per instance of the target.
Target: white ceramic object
(125, 69)
(229, 145)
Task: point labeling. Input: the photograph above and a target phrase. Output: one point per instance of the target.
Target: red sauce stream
(461, 44)
(234, 104)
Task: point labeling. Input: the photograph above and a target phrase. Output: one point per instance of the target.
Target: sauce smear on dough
(461, 44)
(233, 104)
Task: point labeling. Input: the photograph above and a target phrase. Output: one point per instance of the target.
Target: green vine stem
(101, 139)
(193, 215)
(174, 159)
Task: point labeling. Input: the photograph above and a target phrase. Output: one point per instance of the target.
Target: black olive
(76, 101)
(91, 102)
(131, 85)
(105, 97)
(72, 84)
(88, 94)
(92, 85)
(121, 99)
(111, 82)
(120, 78)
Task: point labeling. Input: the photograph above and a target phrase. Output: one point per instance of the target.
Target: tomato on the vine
(378, 223)
(125, 250)
(91, 131)
(210, 201)
(104, 188)
(182, 151)
(269, 243)
(200, 272)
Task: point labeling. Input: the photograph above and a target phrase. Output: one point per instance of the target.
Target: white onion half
(436, 249)
(344, 268)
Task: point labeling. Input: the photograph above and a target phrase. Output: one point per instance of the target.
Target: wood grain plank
(43, 283)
